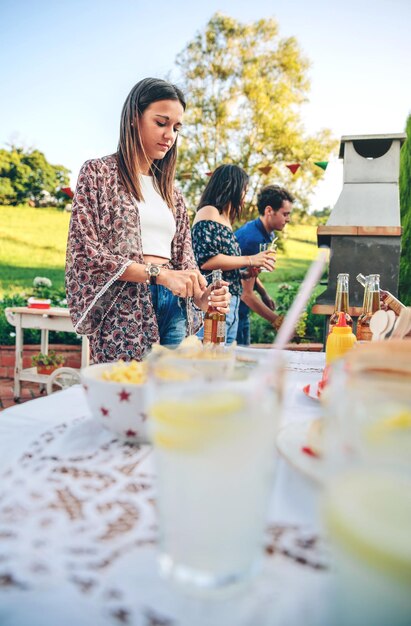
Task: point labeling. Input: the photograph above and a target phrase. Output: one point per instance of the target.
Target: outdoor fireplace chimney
(364, 228)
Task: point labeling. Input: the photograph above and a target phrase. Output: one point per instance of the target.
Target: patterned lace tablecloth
(78, 534)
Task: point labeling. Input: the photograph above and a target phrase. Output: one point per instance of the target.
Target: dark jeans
(243, 330)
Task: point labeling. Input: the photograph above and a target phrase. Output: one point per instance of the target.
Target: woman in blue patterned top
(214, 243)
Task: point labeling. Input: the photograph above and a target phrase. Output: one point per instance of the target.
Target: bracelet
(249, 261)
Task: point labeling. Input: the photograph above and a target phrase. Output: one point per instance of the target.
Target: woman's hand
(217, 298)
(183, 283)
(265, 259)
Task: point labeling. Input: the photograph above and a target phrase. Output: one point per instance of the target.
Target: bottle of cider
(390, 301)
(370, 306)
(214, 321)
(341, 301)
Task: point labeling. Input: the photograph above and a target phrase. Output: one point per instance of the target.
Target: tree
(245, 87)
(405, 203)
(27, 175)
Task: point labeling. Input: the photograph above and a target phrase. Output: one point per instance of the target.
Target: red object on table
(38, 303)
(309, 451)
(68, 192)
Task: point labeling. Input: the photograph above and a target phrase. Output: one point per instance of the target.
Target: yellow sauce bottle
(340, 340)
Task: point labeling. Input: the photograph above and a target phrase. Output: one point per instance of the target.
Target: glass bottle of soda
(214, 321)
(390, 301)
(370, 306)
(341, 301)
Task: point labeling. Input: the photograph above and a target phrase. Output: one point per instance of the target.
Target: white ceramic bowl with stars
(120, 407)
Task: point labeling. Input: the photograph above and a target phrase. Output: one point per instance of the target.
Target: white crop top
(158, 225)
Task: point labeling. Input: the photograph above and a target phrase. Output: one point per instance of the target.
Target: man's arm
(262, 292)
(250, 298)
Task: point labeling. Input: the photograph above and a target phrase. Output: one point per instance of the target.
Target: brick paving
(28, 392)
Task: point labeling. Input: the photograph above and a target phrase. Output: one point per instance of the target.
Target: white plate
(312, 391)
(308, 390)
(290, 442)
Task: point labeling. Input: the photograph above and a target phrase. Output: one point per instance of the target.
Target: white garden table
(54, 318)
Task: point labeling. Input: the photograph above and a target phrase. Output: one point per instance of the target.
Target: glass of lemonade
(367, 512)
(367, 501)
(215, 457)
(271, 248)
(367, 407)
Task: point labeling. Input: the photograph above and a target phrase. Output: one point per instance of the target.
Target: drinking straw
(313, 275)
(286, 332)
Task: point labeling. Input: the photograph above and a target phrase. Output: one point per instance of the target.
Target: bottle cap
(341, 319)
(341, 327)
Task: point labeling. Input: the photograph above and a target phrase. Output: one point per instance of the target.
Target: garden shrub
(309, 328)
(405, 202)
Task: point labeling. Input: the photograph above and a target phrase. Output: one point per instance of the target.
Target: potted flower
(41, 293)
(47, 363)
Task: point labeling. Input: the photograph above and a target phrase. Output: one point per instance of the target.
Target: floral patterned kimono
(104, 238)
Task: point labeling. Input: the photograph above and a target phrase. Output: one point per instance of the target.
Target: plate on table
(314, 391)
(292, 443)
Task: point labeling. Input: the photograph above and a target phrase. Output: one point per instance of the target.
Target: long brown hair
(144, 93)
(226, 187)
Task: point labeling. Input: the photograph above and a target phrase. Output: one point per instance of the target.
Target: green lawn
(33, 243)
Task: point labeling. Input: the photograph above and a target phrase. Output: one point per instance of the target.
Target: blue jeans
(243, 330)
(231, 322)
(171, 315)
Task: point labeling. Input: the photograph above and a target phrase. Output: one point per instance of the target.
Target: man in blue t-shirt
(274, 206)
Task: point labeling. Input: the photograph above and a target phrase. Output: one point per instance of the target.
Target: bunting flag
(293, 167)
(264, 169)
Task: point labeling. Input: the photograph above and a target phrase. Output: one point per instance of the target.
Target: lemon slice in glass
(369, 513)
(188, 424)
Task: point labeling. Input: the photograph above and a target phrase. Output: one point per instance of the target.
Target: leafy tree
(405, 203)
(12, 175)
(322, 215)
(7, 194)
(27, 175)
(245, 87)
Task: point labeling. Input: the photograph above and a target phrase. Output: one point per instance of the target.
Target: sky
(67, 67)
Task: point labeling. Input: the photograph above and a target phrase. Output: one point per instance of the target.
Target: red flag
(265, 169)
(293, 167)
(209, 173)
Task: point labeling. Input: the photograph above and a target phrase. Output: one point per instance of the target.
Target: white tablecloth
(78, 527)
